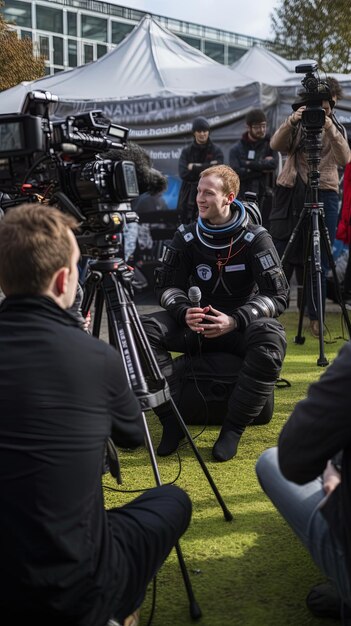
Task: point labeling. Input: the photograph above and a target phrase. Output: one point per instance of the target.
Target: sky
(245, 17)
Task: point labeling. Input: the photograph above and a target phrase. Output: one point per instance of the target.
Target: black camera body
(59, 163)
(316, 92)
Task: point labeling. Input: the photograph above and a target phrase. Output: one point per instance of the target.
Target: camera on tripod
(59, 163)
(315, 93)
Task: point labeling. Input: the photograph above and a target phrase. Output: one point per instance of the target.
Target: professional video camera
(315, 92)
(61, 163)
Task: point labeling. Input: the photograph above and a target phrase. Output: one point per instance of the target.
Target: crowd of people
(282, 192)
(65, 559)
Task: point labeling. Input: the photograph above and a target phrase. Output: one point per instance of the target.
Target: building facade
(69, 33)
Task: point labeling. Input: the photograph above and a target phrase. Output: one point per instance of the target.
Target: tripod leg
(227, 514)
(130, 326)
(194, 608)
(299, 339)
(316, 266)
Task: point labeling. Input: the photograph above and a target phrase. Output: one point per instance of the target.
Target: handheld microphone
(194, 295)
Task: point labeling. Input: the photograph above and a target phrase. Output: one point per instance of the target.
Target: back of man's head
(255, 116)
(34, 244)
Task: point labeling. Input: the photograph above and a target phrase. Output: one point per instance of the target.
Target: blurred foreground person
(308, 479)
(63, 393)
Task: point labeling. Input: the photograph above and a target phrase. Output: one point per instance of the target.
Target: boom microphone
(194, 295)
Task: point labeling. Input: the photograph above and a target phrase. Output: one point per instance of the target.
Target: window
(72, 24)
(94, 28)
(19, 13)
(26, 33)
(100, 50)
(215, 51)
(234, 54)
(72, 53)
(44, 47)
(195, 43)
(119, 31)
(49, 19)
(58, 50)
(88, 50)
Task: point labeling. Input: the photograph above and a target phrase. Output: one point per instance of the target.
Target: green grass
(252, 571)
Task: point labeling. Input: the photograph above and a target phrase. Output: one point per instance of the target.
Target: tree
(17, 61)
(314, 29)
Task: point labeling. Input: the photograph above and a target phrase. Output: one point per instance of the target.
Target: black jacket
(318, 428)
(203, 154)
(250, 161)
(61, 392)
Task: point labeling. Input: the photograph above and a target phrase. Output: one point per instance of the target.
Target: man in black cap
(255, 162)
(194, 158)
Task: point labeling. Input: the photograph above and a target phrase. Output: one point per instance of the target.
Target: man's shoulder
(237, 144)
(186, 233)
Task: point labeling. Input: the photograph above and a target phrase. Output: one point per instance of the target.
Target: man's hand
(295, 117)
(194, 317)
(328, 123)
(217, 323)
(331, 478)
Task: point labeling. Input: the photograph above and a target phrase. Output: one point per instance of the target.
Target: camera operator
(308, 479)
(290, 137)
(234, 263)
(63, 393)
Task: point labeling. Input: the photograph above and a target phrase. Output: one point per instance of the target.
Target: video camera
(59, 163)
(316, 91)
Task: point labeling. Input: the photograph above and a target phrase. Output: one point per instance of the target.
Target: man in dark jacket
(195, 158)
(255, 162)
(308, 479)
(233, 262)
(64, 559)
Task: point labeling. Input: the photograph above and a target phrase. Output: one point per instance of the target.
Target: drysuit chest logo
(204, 272)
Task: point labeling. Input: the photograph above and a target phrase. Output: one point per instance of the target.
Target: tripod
(109, 283)
(317, 233)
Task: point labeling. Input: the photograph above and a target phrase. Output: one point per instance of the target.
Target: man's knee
(265, 348)
(173, 506)
(266, 465)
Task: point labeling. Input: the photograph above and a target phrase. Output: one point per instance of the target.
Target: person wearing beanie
(194, 158)
(255, 162)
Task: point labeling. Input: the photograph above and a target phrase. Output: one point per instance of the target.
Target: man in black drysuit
(194, 158)
(234, 263)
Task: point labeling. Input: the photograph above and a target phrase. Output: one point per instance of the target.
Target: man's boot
(226, 445)
(246, 403)
(172, 434)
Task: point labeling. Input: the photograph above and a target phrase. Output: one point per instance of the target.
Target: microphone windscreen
(194, 295)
